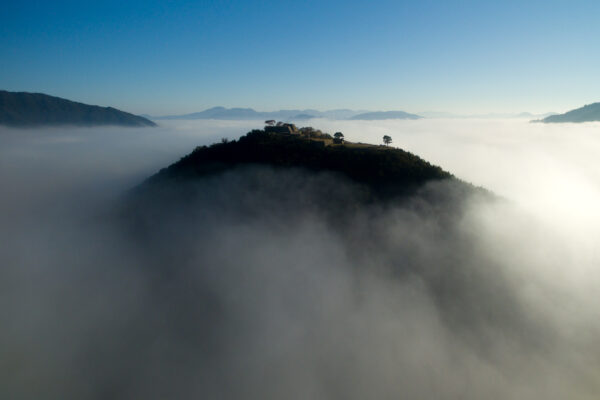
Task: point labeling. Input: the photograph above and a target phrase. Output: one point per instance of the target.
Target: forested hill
(385, 170)
(22, 109)
(588, 113)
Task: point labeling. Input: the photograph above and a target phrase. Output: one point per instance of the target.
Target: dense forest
(386, 171)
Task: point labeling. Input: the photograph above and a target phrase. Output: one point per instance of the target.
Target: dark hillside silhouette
(386, 171)
(588, 113)
(21, 109)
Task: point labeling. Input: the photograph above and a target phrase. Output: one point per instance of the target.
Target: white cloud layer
(499, 301)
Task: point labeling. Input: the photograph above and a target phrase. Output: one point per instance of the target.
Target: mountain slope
(22, 109)
(587, 113)
(378, 115)
(384, 171)
(276, 235)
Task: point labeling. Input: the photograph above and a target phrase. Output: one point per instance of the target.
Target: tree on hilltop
(387, 140)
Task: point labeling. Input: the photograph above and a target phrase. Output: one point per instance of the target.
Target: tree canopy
(385, 172)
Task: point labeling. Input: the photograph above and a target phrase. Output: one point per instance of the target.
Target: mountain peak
(384, 170)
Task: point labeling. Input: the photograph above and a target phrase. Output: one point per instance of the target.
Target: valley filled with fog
(265, 298)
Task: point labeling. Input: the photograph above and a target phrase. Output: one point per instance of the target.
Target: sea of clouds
(253, 293)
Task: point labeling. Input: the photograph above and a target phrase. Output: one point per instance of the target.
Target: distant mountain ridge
(251, 114)
(587, 113)
(379, 115)
(340, 114)
(23, 109)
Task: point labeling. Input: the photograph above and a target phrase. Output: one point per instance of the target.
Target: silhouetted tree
(387, 140)
(338, 137)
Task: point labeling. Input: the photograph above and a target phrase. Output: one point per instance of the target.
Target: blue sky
(162, 57)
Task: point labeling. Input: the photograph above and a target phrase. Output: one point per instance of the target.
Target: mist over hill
(587, 113)
(249, 269)
(22, 109)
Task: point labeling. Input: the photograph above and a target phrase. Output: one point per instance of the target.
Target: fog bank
(253, 288)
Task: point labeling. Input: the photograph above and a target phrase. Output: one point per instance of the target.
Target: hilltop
(22, 109)
(385, 171)
(587, 113)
